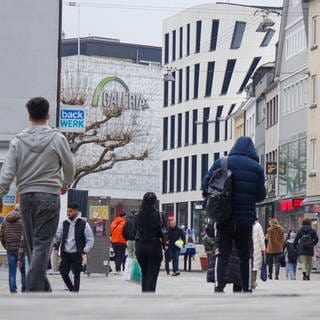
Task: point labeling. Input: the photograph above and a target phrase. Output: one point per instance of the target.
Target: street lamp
(77, 4)
(266, 21)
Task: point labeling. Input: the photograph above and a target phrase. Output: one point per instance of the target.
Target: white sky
(138, 21)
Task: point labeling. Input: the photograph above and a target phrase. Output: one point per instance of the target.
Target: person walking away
(41, 161)
(276, 239)
(76, 239)
(119, 243)
(247, 189)
(10, 235)
(175, 233)
(305, 241)
(291, 255)
(259, 249)
(150, 240)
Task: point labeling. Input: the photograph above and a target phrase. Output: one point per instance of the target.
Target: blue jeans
(40, 216)
(292, 270)
(175, 252)
(12, 264)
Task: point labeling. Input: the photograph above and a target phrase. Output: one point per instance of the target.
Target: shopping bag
(127, 269)
(136, 271)
(179, 243)
(263, 271)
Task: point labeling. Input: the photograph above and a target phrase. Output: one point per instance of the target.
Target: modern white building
(110, 73)
(212, 51)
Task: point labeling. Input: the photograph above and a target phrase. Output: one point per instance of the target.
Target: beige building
(312, 200)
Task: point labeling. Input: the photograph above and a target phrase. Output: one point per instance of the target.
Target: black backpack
(218, 204)
(306, 241)
(292, 252)
(129, 228)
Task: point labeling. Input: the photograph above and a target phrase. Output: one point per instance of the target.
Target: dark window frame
(210, 74)
(217, 124)
(180, 86)
(188, 40)
(205, 125)
(165, 133)
(172, 131)
(194, 126)
(187, 83)
(194, 172)
(178, 175)
(186, 128)
(238, 32)
(165, 176)
(204, 165)
(165, 93)
(214, 34)
(228, 76)
(171, 176)
(180, 42)
(252, 67)
(267, 37)
(174, 44)
(198, 36)
(173, 89)
(186, 174)
(196, 81)
(166, 48)
(179, 142)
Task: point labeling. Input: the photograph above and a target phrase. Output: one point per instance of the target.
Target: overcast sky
(138, 21)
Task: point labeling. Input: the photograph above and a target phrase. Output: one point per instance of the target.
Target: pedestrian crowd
(41, 162)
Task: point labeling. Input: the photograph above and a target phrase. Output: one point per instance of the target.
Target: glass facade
(292, 167)
(182, 214)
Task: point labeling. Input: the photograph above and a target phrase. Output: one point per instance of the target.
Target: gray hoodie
(36, 157)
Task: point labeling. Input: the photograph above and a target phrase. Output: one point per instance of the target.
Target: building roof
(112, 48)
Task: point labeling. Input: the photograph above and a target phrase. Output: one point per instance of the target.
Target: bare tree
(111, 135)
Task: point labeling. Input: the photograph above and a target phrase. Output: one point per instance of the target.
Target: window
(166, 94)
(267, 37)
(164, 176)
(205, 125)
(216, 156)
(249, 73)
(214, 34)
(166, 48)
(313, 90)
(165, 133)
(204, 165)
(210, 73)
(186, 174)
(237, 34)
(173, 89)
(217, 124)
(314, 34)
(296, 42)
(313, 160)
(179, 143)
(174, 45)
(186, 129)
(182, 213)
(172, 132)
(178, 182)
(198, 36)
(187, 83)
(194, 126)
(180, 42)
(196, 81)
(194, 172)
(171, 181)
(180, 86)
(227, 76)
(188, 39)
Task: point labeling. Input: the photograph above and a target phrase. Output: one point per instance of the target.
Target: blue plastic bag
(263, 271)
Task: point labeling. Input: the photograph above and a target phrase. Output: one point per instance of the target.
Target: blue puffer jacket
(247, 182)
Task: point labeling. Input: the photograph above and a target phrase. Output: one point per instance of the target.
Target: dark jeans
(242, 235)
(40, 215)
(274, 258)
(73, 262)
(173, 254)
(149, 256)
(12, 264)
(119, 255)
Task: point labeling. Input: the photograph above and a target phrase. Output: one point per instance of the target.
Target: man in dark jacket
(172, 253)
(247, 189)
(76, 239)
(10, 235)
(305, 240)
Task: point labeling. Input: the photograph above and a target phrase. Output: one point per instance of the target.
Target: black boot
(304, 276)
(308, 277)
(270, 276)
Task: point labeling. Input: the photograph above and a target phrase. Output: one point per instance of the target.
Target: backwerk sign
(72, 119)
(122, 98)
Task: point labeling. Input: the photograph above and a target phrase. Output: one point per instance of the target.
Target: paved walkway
(187, 296)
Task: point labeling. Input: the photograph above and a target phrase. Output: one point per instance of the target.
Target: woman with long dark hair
(149, 241)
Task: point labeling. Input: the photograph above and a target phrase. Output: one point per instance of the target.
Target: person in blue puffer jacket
(247, 189)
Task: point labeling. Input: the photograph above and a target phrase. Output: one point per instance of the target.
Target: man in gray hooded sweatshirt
(41, 161)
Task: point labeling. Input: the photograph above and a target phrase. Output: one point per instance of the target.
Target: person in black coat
(305, 240)
(172, 253)
(149, 241)
(247, 189)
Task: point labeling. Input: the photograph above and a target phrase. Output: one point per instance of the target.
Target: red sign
(290, 204)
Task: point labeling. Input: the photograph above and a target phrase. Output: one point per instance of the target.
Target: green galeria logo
(113, 98)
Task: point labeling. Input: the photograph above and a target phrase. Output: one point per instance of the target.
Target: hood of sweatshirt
(244, 146)
(37, 138)
(13, 216)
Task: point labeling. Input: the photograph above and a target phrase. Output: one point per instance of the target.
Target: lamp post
(77, 4)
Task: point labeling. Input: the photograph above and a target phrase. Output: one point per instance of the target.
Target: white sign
(72, 119)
